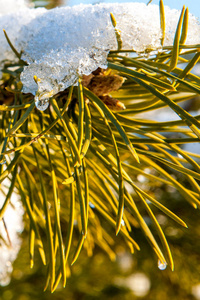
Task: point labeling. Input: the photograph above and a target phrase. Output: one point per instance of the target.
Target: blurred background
(130, 276)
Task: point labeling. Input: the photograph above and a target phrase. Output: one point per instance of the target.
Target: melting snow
(13, 218)
(13, 22)
(64, 43)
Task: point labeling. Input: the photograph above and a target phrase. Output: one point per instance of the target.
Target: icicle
(41, 104)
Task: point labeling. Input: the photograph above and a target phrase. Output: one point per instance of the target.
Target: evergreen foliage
(76, 165)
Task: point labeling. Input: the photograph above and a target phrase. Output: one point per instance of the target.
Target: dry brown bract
(101, 85)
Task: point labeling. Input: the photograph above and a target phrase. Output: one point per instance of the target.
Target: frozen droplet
(2, 162)
(84, 233)
(41, 104)
(122, 222)
(91, 205)
(162, 265)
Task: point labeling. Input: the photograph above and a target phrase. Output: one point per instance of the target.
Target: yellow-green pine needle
(160, 232)
(68, 180)
(175, 50)
(32, 220)
(48, 225)
(81, 116)
(81, 202)
(114, 120)
(78, 248)
(11, 45)
(88, 131)
(162, 21)
(117, 32)
(184, 27)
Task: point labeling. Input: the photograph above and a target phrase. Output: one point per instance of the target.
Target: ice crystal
(62, 44)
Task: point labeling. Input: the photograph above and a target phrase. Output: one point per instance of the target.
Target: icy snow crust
(64, 43)
(13, 23)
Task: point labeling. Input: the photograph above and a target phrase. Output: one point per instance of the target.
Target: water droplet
(84, 233)
(91, 205)
(162, 265)
(3, 162)
(122, 222)
(41, 104)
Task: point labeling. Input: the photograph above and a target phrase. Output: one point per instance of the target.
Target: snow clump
(62, 44)
(11, 226)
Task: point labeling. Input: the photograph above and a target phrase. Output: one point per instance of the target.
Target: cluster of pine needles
(75, 165)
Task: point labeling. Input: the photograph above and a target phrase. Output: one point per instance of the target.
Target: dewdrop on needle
(162, 265)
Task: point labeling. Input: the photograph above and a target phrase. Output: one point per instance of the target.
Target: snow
(11, 6)
(62, 44)
(13, 218)
(13, 22)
